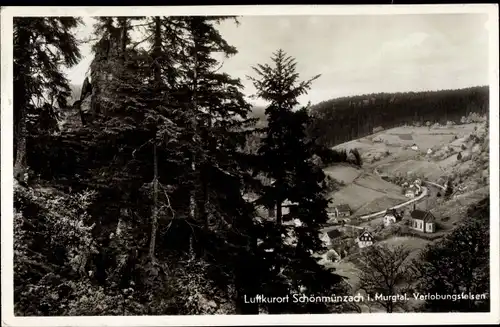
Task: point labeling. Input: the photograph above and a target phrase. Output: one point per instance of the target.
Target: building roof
(343, 207)
(330, 209)
(365, 236)
(334, 233)
(423, 215)
(391, 212)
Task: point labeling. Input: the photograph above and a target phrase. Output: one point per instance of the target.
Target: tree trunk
(123, 36)
(247, 281)
(279, 214)
(21, 99)
(192, 199)
(20, 165)
(154, 223)
(204, 205)
(157, 76)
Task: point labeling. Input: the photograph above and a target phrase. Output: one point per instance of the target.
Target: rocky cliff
(96, 95)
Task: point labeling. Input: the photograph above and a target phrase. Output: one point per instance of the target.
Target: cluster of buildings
(412, 190)
(339, 213)
(420, 220)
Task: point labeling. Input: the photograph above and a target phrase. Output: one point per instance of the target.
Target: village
(411, 197)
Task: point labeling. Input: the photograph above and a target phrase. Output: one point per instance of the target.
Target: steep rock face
(96, 96)
(106, 62)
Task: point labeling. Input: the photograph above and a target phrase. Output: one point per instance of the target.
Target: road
(424, 193)
(436, 185)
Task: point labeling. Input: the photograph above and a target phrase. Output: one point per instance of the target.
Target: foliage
(358, 161)
(458, 264)
(42, 47)
(384, 272)
(52, 247)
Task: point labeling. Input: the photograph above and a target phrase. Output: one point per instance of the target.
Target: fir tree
(286, 156)
(42, 46)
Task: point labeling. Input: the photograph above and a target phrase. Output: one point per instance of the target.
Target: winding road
(425, 192)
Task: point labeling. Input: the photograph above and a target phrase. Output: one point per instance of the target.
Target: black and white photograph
(278, 163)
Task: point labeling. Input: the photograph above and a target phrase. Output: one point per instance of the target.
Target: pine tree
(42, 46)
(286, 156)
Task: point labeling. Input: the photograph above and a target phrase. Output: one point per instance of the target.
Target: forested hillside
(343, 119)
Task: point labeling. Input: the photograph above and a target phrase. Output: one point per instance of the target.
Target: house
(423, 221)
(418, 182)
(414, 147)
(411, 192)
(365, 239)
(343, 210)
(429, 151)
(331, 212)
(391, 216)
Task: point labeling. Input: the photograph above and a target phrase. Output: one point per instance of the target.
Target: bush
(330, 256)
(53, 243)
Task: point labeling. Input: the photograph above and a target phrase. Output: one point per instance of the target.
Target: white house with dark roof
(392, 216)
(365, 239)
(423, 221)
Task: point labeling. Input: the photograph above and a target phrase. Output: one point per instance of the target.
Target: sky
(355, 54)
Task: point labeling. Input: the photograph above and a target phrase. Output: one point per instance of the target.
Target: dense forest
(343, 119)
(150, 202)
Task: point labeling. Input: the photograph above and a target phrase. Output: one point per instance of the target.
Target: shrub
(330, 256)
(53, 243)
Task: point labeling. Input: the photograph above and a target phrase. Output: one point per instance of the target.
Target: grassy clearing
(343, 173)
(378, 204)
(414, 244)
(355, 196)
(375, 183)
(428, 169)
(348, 270)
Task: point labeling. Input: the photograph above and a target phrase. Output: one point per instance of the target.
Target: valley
(388, 162)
